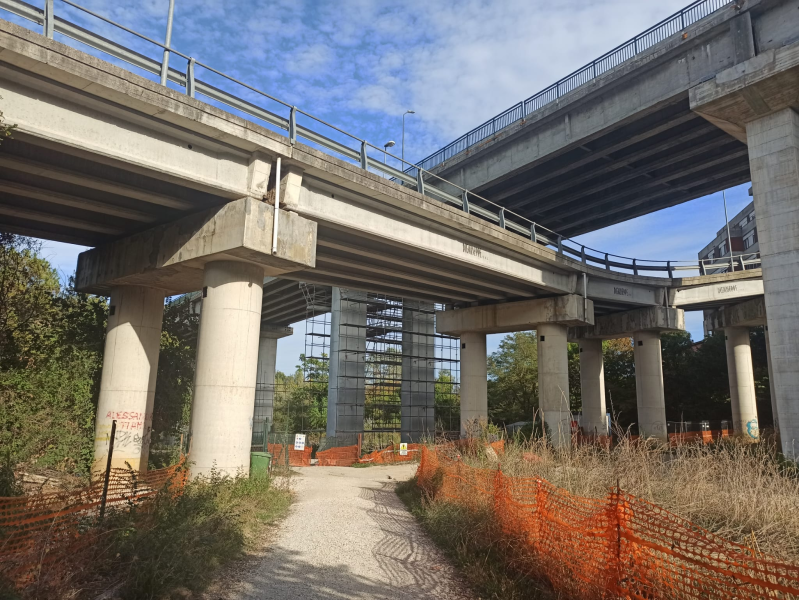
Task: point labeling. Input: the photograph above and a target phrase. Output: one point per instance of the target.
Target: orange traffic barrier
(41, 534)
(391, 454)
(619, 546)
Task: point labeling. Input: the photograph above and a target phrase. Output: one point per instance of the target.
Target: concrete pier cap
(625, 324)
(172, 256)
(508, 317)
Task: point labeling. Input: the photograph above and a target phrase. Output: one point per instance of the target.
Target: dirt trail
(348, 535)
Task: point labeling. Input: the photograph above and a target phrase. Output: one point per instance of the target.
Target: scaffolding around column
(375, 370)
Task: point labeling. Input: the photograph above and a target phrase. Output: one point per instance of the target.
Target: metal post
(560, 244)
(277, 206)
(582, 254)
(364, 159)
(670, 270)
(465, 198)
(635, 268)
(727, 223)
(49, 19)
(419, 181)
(502, 217)
(293, 125)
(607, 262)
(190, 88)
(167, 43)
(108, 467)
(533, 234)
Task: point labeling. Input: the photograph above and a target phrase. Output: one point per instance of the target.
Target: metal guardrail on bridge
(468, 201)
(654, 35)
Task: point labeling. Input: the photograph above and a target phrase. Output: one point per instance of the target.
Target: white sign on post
(403, 449)
(299, 442)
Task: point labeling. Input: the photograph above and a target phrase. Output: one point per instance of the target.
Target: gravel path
(348, 535)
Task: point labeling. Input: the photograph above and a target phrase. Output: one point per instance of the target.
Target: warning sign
(403, 449)
(299, 442)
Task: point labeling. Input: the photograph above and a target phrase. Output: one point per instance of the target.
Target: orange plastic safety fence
(342, 456)
(614, 547)
(391, 454)
(297, 458)
(49, 528)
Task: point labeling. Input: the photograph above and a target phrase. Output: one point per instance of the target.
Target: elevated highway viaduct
(177, 196)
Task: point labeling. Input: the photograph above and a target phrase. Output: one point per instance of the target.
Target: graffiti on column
(133, 429)
(752, 429)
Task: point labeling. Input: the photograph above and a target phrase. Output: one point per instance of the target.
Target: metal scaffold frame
(375, 370)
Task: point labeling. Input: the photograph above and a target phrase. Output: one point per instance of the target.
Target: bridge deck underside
(54, 192)
(656, 160)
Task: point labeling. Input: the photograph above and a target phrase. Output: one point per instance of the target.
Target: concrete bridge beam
(592, 388)
(227, 362)
(346, 392)
(474, 381)
(418, 385)
(553, 381)
(265, 379)
(127, 386)
(649, 392)
(742, 383)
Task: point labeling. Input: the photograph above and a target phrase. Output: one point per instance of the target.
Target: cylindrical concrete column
(227, 360)
(649, 385)
(265, 387)
(742, 383)
(474, 380)
(553, 382)
(592, 388)
(773, 142)
(127, 386)
(772, 389)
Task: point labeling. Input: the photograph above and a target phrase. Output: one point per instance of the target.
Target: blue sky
(359, 64)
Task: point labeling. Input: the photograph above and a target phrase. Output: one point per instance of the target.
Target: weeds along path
(348, 535)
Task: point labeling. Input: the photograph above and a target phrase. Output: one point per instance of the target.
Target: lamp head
(390, 144)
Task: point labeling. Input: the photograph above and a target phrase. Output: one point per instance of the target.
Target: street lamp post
(386, 146)
(407, 112)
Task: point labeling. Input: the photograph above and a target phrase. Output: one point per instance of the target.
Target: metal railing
(676, 23)
(420, 180)
(725, 264)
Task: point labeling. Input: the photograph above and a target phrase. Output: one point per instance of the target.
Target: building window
(743, 223)
(751, 216)
(722, 248)
(749, 240)
(710, 254)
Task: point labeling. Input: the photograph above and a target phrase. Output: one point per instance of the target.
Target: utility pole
(727, 223)
(167, 43)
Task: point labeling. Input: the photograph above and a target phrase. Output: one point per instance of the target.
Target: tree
(513, 379)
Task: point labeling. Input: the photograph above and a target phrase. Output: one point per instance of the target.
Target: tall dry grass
(745, 492)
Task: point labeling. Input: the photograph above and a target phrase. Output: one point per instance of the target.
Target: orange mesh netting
(46, 529)
(391, 455)
(297, 458)
(614, 547)
(343, 456)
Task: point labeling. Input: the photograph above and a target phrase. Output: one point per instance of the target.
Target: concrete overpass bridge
(178, 195)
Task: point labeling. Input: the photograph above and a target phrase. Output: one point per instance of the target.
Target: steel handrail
(465, 200)
(657, 33)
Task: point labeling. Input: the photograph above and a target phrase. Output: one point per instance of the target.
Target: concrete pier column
(742, 383)
(772, 391)
(592, 388)
(474, 379)
(418, 385)
(346, 392)
(553, 381)
(649, 385)
(227, 360)
(127, 385)
(773, 143)
(265, 381)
